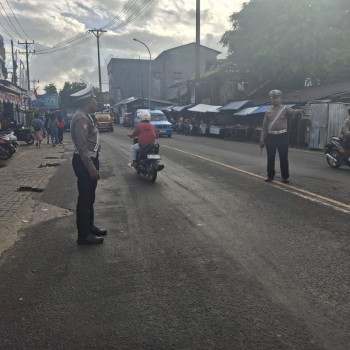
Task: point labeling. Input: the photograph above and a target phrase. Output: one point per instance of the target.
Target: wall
(170, 67)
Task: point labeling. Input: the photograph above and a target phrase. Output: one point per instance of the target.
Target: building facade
(130, 77)
(3, 70)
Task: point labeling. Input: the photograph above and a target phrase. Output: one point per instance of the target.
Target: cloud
(162, 25)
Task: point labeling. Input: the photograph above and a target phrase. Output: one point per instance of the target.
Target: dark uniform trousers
(86, 195)
(279, 142)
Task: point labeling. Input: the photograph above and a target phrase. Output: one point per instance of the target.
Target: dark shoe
(269, 179)
(89, 240)
(134, 163)
(36, 144)
(98, 232)
(160, 167)
(285, 181)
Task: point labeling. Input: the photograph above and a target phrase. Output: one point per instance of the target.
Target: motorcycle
(6, 147)
(336, 153)
(148, 161)
(22, 133)
(11, 137)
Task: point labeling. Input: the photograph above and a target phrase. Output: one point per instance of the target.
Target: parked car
(104, 121)
(159, 120)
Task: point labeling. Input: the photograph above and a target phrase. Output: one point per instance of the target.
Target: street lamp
(150, 72)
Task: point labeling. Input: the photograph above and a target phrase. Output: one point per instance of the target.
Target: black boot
(89, 240)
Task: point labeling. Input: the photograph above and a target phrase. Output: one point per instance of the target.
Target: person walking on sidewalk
(53, 126)
(274, 135)
(85, 163)
(60, 128)
(38, 126)
(46, 126)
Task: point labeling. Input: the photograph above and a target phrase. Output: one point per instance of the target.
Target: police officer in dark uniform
(85, 163)
(274, 135)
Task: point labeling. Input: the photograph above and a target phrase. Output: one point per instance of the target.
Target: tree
(288, 43)
(50, 89)
(65, 101)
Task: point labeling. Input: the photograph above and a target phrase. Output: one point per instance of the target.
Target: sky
(66, 51)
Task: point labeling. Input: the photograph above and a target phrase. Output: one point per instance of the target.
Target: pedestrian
(344, 134)
(53, 126)
(38, 126)
(274, 135)
(85, 163)
(60, 122)
(46, 126)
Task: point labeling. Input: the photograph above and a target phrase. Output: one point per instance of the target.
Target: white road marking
(314, 197)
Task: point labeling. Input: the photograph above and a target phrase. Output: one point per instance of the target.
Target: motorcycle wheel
(5, 154)
(152, 173)
(30, 139)
(335, 154)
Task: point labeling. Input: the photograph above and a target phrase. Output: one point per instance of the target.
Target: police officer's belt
(278, 132)
(91, 154)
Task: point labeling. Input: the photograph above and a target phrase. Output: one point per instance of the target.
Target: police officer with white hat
(274, 135)
(85, 163)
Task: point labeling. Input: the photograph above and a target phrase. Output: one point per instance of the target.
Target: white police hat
(83, 94)
(275, 93)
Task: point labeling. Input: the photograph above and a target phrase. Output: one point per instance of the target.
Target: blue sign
(46, 101)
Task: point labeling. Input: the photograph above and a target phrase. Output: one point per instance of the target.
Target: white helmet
(274, 93)
(144, 114)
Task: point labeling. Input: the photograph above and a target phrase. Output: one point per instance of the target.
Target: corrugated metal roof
(317, 92)
(235, 105)
(127, 100)
(246, 111)
(202, 108)
(264, 108)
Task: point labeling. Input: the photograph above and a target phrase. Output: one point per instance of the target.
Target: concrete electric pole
(98, 33)
(198, 46)
(27, 58)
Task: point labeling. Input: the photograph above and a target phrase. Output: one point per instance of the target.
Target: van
(159, 120)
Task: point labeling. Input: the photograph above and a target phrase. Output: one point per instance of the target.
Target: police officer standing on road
(274, 135)
(85, 163)
(344, 134)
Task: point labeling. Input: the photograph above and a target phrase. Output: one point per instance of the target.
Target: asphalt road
(208, 257)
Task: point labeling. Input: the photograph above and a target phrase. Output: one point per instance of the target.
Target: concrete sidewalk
(22, 178)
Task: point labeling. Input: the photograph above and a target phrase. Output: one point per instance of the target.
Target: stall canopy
(181, 108)
(235, 105)
(202, 108)
(246, 111)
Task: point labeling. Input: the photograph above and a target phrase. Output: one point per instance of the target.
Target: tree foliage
(65, 101)
(291, 42)
(50, 89)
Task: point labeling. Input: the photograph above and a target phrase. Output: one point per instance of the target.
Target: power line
(9, 21)
(18, 21)
(112, 25)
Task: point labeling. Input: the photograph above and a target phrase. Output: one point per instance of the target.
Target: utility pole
(198, 43)
(35, 81)
(27, 58)
(14, 66)
(98, 33)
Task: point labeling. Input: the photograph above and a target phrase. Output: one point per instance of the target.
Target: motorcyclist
(344, 134)
(147, 134)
